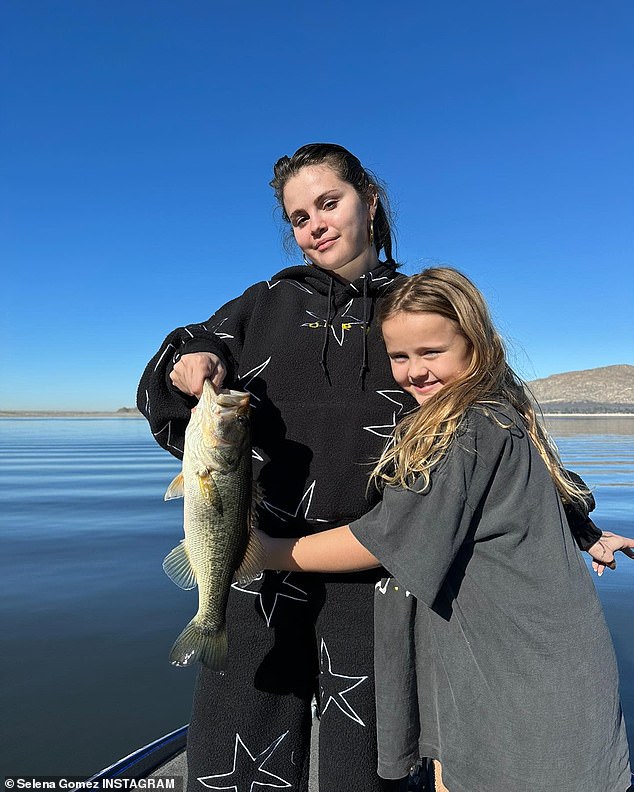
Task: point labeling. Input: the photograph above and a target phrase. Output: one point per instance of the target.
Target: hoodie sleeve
(166, 408)
(583, 529)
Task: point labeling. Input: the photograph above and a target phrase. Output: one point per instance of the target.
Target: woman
(306, 348)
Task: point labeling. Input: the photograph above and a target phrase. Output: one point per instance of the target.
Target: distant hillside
(609, 389)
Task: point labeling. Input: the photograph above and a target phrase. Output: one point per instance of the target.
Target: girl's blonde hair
(423, 437)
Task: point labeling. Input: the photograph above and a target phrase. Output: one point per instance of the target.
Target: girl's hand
(191, 370)
(602, 551)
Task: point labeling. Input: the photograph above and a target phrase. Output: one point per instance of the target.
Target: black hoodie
(324, 403)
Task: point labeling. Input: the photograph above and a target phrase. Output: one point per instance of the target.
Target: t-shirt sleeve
(417, 533)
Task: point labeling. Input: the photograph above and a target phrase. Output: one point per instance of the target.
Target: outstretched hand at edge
(603, 550)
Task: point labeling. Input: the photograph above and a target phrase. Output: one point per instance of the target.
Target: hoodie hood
(336, 294)
(323, 282)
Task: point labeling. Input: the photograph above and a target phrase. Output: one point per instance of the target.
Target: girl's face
(330, 221)
(427, 351)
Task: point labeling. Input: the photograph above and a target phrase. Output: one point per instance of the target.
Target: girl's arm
(336, 550)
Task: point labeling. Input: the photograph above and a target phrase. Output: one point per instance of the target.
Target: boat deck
(167, 758)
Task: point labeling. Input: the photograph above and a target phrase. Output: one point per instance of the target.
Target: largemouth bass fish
(219, 512)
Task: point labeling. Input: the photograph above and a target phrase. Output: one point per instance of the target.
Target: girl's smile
(427, 351)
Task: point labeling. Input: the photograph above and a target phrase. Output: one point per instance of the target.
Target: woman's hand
(603, 550)
(191, 370)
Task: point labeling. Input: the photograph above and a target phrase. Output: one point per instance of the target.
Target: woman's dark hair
(350, 170)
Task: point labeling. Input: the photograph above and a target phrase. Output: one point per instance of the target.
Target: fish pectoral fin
(253, 562)
(209, 491)
(176, 489)
(178, 567)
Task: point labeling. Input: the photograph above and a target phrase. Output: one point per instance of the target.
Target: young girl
(491, 651)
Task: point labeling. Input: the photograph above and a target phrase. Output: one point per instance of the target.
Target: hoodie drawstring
(367, 318)
(324, 348)
(364, 362)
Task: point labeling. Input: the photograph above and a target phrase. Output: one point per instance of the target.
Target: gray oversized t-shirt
(491, 652)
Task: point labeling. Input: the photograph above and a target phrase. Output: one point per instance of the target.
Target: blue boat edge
(146, 760)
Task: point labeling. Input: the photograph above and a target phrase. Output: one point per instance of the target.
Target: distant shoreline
(130, 413)
(69, 414)
(588, 415)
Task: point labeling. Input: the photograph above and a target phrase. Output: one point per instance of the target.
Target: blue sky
(138, 140)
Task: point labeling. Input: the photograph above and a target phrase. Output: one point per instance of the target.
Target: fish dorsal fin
(178, 567)
(176, 489)
(253, 562)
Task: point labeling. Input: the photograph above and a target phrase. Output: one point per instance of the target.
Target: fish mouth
(225, 397)
(222, 401)
(230, 399)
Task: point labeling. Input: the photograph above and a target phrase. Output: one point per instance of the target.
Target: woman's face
(427, 351)
(330, 221)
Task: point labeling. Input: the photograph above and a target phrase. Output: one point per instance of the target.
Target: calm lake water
(88, 616)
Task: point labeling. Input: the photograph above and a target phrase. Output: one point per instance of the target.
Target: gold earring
(371, 233)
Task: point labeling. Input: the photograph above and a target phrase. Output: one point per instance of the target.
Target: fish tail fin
(198, 643)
